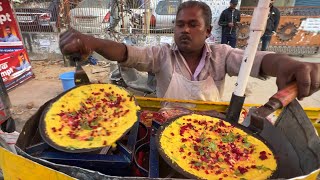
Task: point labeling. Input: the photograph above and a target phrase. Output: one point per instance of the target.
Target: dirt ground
(27, 98)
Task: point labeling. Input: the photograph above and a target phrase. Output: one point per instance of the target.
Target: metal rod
(259, 21)
(257, 27)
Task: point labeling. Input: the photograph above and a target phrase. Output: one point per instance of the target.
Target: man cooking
(191, 69)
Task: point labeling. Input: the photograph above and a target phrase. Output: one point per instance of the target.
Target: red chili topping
(263, 155)
(96, 93)
(54, 129)
(184, 128)
(183, 140)
(218, 130)
(242, 169)
(60, 129)
(221, 124)
(72, 135)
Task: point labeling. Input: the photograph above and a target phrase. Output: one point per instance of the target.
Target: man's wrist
(270, 64)
(92, 43)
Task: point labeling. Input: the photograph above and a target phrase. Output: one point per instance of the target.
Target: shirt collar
(205, 53)
(206, 49)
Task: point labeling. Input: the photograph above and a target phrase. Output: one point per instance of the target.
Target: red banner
(15, 66)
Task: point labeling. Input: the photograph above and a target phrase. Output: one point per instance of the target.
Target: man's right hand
(72, 42)
(230, 24)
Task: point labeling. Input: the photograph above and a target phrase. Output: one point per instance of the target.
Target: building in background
(307, 3)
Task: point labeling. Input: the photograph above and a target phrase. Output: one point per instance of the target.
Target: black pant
(27, 41)
(265, 41)
(230, 39)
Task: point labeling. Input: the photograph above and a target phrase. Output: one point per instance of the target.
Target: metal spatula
(281, 99)
(80, 76)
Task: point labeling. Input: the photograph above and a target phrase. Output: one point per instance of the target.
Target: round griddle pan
(45, 137)
(286, 157)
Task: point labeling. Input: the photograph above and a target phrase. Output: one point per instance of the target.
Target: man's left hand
(307, 76)
(287, 70)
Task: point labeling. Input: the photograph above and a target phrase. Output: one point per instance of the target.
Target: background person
(272, 26)
(229, 20)
(24, 64)
(10, 37)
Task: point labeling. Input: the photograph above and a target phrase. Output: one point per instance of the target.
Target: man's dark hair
(206, 11)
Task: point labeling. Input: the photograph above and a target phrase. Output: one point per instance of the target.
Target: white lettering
(1, 9)
(4, 18)
(8, 17)
(7, 72)
(5, 79)
(3, 66)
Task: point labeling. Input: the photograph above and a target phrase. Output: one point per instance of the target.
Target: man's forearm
(72, 41)
(111, 50)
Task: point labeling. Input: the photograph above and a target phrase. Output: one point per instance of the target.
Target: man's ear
(209, 29)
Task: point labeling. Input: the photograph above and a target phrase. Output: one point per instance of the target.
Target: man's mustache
(185, 37)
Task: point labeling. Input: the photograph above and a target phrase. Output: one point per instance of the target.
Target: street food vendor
(190, 69)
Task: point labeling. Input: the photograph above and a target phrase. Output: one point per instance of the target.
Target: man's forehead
(188, 14)
(187, 20)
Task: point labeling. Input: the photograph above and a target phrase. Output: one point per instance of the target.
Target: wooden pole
(147, 17)
(122, 18)
(67, 13)
(58, 23)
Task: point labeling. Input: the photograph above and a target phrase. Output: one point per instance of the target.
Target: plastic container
(67, 80)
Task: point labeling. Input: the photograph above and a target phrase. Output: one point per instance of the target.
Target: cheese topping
(91, 116)
(210, 148)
